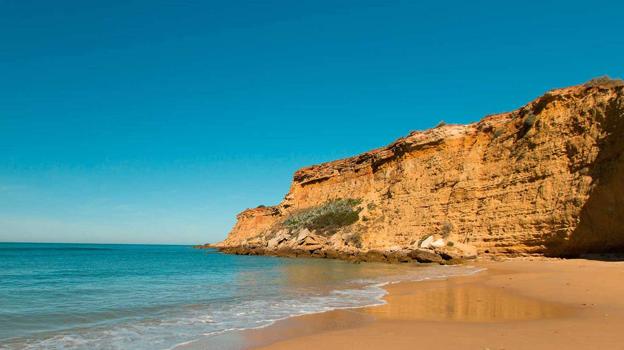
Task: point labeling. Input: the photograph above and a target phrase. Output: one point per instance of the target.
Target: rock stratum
(545, 179)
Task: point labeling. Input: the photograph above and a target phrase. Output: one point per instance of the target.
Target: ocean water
(86, 296)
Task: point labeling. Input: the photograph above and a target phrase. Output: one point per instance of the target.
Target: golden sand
(463, 302)
(518, 304)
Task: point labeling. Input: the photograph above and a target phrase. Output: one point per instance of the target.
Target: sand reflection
(465, 303)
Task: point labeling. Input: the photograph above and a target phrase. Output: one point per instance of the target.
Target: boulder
(425, 256)
(426, 243)
(311, 247)
(457, 251)
(303, 234)
(433, 241)
(372, 256)
(438, 243)
(399, 256)
(310, 240)
(276, 241)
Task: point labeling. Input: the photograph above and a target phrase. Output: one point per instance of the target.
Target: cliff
(547, 178)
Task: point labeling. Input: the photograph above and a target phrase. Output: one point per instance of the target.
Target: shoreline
(236, 338)
(526, 303)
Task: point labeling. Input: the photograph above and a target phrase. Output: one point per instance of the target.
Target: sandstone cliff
(547, 178)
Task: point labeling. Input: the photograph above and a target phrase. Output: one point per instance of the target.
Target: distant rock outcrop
(547, 179)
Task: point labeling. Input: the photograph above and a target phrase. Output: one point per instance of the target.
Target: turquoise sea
(96, 296)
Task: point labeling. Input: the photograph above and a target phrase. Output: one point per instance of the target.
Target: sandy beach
(515, 304)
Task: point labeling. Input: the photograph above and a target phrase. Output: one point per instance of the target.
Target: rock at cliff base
(281, 237)
(425, 256)
(426, 243)
(311, 247)
(303, 234)
(458, 251)
(438, 243)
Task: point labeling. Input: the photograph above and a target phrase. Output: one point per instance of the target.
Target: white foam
(171, 332)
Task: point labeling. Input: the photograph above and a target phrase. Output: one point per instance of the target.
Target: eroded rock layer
(547, 178)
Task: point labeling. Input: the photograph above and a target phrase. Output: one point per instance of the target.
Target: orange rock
(547, 178)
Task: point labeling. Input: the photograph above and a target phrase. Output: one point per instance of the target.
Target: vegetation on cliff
(605, 82)
(326, 218)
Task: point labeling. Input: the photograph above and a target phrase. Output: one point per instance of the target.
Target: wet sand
(516, 304)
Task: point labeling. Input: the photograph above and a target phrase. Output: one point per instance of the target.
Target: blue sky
(157, 121)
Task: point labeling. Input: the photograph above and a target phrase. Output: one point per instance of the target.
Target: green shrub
(441, 124)
(327, 217)
(446, 229)
(604, 81)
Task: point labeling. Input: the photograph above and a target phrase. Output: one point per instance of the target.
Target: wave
(170, 327)
(373, 290)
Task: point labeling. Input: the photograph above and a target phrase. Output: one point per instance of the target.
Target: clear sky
(157, 121)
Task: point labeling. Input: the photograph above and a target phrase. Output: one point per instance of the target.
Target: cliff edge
(545, 179)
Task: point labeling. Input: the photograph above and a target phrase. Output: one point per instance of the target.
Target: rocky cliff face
(547, 178)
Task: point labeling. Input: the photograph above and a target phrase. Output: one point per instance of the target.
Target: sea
(114, 296)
